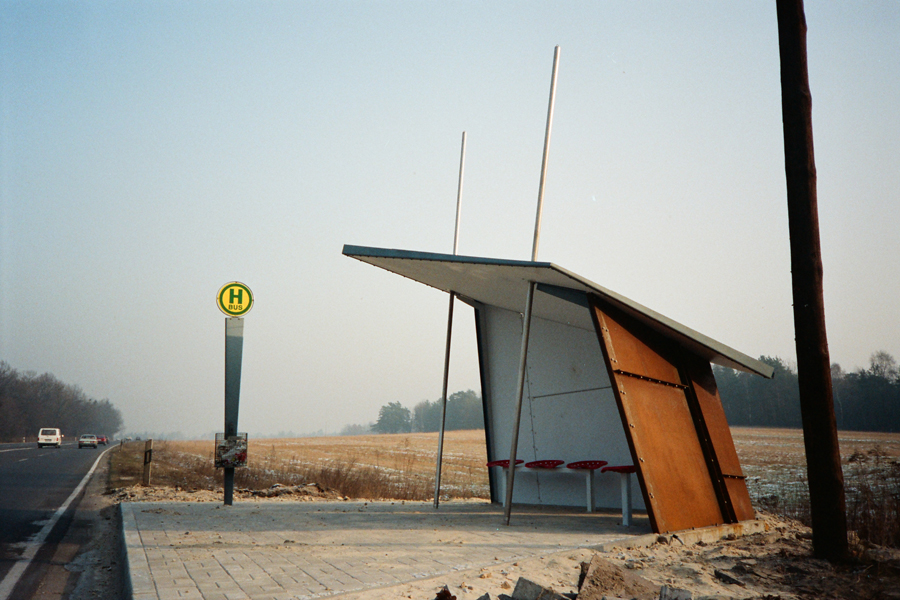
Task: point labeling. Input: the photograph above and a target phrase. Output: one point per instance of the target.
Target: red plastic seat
(503, 463)
(589, 465)
(544, 464)
(619, 469)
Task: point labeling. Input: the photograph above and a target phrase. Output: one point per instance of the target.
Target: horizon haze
(152, 152)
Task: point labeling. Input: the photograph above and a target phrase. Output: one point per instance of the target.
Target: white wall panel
(568, 412)
(502, 342)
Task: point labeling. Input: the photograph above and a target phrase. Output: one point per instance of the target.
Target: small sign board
(231, 452)
(234, 299)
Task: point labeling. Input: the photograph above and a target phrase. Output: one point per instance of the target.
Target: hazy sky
(150, 152)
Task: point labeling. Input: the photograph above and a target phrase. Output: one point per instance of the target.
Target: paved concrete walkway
(295, 550)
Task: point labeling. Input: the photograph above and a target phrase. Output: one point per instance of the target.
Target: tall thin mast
(529, 298)
(440, 452)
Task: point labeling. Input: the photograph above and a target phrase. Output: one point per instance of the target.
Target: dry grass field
(375, 467)
(776, 456)
(774, 463)
(403, 459)
(402, 466)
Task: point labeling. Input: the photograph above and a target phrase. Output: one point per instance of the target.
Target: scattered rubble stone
(310, 489)
(723, 576)
(444, 594)
(673, 593)
(605, 579)
(529, 590)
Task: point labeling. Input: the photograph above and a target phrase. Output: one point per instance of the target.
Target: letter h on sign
(239, 296)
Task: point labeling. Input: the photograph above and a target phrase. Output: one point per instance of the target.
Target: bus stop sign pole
(234, 348)
(234, 299)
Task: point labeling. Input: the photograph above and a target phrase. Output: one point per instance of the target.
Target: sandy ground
(774, 565)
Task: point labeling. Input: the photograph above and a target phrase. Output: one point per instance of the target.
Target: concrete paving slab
(299, 550)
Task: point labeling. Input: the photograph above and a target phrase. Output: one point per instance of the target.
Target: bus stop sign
(234, 299)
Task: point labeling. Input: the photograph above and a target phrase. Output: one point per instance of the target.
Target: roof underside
(504, 284)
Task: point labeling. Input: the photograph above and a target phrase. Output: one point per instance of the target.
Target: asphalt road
(34, 486)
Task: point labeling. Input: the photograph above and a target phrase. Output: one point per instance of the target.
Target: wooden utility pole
(823, 459)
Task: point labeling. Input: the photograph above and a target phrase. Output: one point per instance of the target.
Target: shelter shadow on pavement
(280, 550)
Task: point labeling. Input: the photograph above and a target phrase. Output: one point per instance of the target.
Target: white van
(49, 437)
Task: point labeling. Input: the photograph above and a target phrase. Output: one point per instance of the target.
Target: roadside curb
(138, 581)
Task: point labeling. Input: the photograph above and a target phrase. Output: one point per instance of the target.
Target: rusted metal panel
(704, 385)
(641, 357)
(654, 402)
(669, 456)
(740, 498)
(709, 451)
(727, 466)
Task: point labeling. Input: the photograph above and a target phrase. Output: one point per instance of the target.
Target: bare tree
(884, 365)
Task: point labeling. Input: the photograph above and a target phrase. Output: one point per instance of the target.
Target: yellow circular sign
(234, 299)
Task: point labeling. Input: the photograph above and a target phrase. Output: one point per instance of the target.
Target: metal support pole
(440, 452)
(529, 298)
(234, 348)
(625, 482)
(520, 388)
(589, 481)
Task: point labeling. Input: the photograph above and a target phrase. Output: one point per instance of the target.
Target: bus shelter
(606, 379)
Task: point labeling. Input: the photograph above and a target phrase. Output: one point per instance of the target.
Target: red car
(102, 439)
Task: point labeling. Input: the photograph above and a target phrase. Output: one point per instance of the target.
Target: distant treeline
(864, 400)
(29, 402)
(464, 411)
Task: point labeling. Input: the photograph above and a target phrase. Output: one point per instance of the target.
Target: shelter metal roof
(504, 283)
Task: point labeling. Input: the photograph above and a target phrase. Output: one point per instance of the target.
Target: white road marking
(16, 449)
(31, 548)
